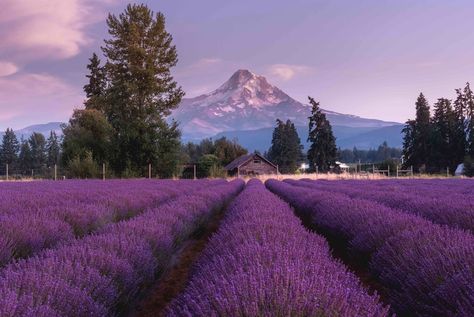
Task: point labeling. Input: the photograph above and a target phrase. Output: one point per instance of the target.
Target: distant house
(251, 165)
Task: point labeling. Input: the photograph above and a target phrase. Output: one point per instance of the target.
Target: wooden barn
(251, 165)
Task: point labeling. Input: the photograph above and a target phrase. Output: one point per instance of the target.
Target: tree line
(286, 149)
(443, 139)
(34, 153)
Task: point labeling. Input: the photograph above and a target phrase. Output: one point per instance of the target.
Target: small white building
(343, 166)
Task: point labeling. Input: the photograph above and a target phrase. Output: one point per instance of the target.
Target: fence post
(238, 171)
(55, 172)
(397, 171)
(7, 171)
(149, 171)
(411, 168)
(103, 171)
(194, 171)
(447, 171)
(388, 170)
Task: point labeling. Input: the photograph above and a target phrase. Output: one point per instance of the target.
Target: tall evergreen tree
(286, 148)
(141, 91)
(25, 158)
(459, 142)
(422, 133)
(53, 149)
(408, 132)
(469, 108)
(37, 144)
(95, 88)
(9, 149)
(322, 152)
(443, 135)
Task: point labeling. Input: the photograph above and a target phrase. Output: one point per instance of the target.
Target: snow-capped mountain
(247, 102)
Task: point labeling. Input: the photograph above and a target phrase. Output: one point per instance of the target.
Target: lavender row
(427, 269)
(100, 274)
(262, 262)
(36, 228)
(455, 210)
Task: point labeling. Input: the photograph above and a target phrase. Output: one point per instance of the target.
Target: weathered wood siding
(254, 168)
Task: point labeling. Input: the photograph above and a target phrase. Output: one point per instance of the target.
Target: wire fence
(56, 172)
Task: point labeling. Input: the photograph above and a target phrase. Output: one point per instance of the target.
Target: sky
(369, 58)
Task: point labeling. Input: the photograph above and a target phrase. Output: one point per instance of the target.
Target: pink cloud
(286, 71)
(47, 28)
(7, 69)
(33, 98)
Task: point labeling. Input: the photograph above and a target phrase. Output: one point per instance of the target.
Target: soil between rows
(358, 265)
(175, 279)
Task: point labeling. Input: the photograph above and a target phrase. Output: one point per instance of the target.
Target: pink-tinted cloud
(286, 72)
(27, 97)
(7, 69)
(54, 29)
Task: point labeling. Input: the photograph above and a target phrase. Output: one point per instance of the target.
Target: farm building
(251, 165)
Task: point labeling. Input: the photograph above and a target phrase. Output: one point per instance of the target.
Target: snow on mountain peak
(246, 101)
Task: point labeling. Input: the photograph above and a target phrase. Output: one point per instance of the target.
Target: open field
(297, 247)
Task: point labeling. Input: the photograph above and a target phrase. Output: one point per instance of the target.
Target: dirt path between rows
(359, 265)
(174, 281)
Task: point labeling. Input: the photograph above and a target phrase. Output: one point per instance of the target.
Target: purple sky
(370, 58)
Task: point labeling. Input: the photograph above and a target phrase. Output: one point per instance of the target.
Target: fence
(10, 173)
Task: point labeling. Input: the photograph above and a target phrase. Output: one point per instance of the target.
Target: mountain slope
(249, 102)
(44, 129)
(363, 138)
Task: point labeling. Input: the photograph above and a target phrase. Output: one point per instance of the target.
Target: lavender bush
(46, 213)
(262, 262)
(424, 266)
(440, 201)
(99, 274)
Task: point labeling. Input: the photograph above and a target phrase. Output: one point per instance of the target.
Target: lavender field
(226, 248)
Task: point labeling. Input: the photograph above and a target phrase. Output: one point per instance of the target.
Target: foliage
(140, 89)
(206, 163)
(83, 166)
(322, 152)
(434, 143)
(53, 150)
(286, 150)
(87, 132)
(382, 153)
(9, 148)
(25, 158)
(95, 88)
(222, 151)
(469, 166)
(420, 136)
(37, 144)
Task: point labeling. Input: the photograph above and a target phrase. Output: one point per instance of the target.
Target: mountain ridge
(247, 101)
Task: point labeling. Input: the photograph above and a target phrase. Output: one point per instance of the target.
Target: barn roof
(241, 160)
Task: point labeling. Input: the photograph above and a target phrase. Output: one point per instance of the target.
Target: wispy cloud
(286, 72)
(7, 69)
(54, 29)
(25, 97)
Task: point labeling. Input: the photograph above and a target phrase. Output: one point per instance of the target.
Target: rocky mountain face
(249, 102)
